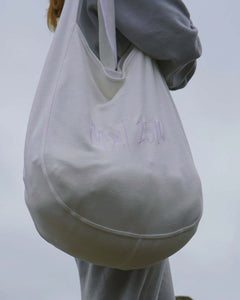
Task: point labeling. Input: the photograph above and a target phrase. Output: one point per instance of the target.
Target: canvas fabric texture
(108, 172)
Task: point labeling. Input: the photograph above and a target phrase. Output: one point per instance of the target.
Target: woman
(163, 30)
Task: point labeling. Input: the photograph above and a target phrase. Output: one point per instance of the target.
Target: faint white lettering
(115, 136)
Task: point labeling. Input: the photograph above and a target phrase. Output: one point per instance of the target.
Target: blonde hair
(53, 13)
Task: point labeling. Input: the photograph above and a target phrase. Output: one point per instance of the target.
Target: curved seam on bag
(76, 215)
(33, 105)
(114, 231)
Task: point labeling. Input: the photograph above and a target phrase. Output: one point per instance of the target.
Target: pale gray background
(208, 267)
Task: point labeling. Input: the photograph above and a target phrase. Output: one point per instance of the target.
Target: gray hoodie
(161, 29)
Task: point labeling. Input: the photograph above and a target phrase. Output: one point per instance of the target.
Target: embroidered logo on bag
(113, 136)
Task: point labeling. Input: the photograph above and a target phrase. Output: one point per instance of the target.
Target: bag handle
(107, 34)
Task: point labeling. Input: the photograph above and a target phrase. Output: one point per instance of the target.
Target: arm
(163, 30)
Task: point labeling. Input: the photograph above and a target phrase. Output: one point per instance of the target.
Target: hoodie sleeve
(163, 30)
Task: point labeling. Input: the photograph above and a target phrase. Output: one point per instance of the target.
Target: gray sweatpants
(102, 283)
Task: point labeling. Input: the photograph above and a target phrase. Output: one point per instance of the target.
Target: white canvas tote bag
(108, 172)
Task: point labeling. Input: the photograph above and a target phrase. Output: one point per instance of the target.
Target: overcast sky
(205, 269)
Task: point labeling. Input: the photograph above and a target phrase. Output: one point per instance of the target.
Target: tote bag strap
(106, 22)
(107, 34)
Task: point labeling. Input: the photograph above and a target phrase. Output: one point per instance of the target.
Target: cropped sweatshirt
(162, 29)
